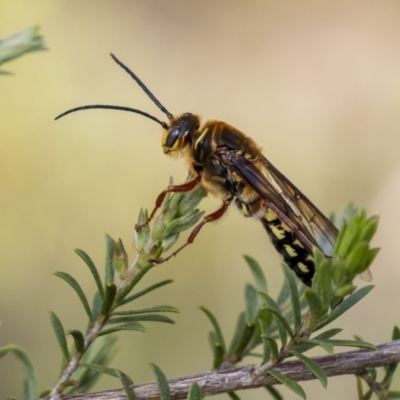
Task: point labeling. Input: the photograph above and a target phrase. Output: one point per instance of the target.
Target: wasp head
(178, 135)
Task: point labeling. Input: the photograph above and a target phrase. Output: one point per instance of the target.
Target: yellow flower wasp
(229, 164)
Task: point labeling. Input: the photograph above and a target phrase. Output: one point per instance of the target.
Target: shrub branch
(252, 376)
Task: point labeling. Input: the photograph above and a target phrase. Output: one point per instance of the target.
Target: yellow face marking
(164, 140)
(179, 143)
(303, 267)
(290, 250)
(198, 140)
(309, 258)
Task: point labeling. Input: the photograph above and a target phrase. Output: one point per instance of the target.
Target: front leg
(208, 218)
(185, 187)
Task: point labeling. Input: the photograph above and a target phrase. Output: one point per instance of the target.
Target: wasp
(230, 165)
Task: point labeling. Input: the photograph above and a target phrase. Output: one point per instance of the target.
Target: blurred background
(316, 84)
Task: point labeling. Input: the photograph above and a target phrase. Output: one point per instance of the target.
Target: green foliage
(313, 367)
(127, 385)
(75, 285)
(273, 392)
(194, 392)
(344, 306)
(109, 265)
(289, 383)
(145, 291)
(178, 214)
(130, 284)
(30, 383)
(60, 336)
(129, 326)
(379, 388)
(285, 327)
(240, 324)
(353, 246)
(233, 396)
(162, 382)
(93, 269)
(218, 355)
(148, 310)
(244, 340)
(279, 329)
(258, 274)
(101, 352)
(94, 349)
(294, 296)
(121, 262)
(334, 278)
(126, 381)
(79, 340)
(217, 329)
(108, 300)
(252, 303)
(270, 346)
(280, 320)
(21, 43)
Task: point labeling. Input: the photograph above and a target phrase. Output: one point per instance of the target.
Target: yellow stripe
(198, 140)
(278, 232)
(290, 250)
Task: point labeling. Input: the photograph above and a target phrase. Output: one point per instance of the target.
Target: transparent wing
(321, 228)
(309, 225)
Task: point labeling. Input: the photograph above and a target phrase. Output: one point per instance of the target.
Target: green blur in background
(316, 84)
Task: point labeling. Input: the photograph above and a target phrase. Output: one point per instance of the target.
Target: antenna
(122, 108)
(143, 86)
(111, 107)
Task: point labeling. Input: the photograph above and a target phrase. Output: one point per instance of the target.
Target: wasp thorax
(178, 135)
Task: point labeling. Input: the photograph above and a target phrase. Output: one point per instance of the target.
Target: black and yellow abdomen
(288, 246)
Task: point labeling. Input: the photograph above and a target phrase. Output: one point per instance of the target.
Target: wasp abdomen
(288, 246)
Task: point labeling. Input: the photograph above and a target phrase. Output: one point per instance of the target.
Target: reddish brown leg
(185, 187)
(208, 218)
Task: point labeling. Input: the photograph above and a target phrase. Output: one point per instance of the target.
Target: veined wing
(306, 222)
(321, 228)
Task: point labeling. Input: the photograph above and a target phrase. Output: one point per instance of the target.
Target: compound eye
(173, 135)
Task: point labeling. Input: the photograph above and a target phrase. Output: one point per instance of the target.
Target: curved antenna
(110, 107)
(143, 86)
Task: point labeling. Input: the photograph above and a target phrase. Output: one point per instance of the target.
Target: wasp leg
(185, 187)
(208, 218)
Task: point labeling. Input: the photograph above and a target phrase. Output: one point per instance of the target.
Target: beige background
(316, 84)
